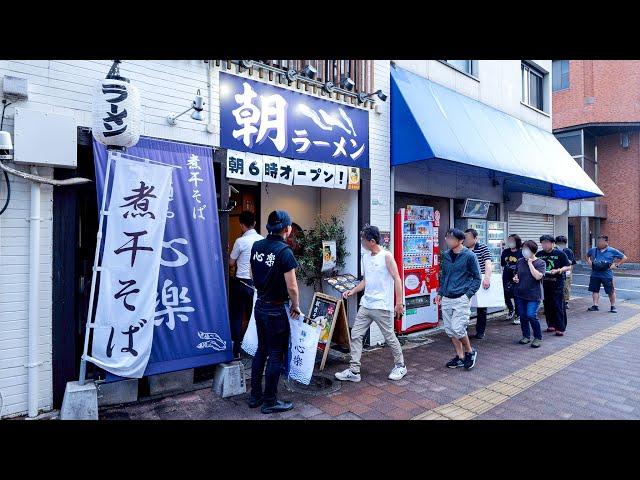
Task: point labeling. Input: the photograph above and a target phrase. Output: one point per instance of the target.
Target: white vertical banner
(137, 212)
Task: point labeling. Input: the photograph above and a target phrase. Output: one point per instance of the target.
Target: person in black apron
(273, 268)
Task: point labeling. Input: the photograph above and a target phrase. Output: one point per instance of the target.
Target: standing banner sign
(191, 317)
(123, 326)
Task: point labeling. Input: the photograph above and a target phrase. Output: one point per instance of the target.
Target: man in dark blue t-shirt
(274, 277)
(603, 259)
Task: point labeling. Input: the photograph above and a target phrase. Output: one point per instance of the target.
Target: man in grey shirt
(459, 281)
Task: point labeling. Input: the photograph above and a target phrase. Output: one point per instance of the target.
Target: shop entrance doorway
(246, 198)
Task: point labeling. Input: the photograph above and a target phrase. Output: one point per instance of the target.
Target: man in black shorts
(603, 259)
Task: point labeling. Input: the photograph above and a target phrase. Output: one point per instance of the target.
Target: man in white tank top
(381, 277)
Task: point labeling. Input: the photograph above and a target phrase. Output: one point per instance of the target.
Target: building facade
(519, 89)
(596, 117)
(65, 88)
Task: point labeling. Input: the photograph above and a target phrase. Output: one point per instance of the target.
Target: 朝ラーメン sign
(261, 118)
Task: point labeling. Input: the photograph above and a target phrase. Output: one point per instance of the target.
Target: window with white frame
(532, 86)
(560, 75)
(465, 66)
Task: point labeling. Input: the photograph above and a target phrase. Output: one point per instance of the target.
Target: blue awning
(431, 121)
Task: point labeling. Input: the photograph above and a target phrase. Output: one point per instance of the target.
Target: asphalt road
(627, 287)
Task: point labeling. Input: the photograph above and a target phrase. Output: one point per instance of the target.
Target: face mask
(511, 244)
(526, 253)
(561, 245)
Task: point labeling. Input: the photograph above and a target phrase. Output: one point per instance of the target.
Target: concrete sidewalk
(430, 385)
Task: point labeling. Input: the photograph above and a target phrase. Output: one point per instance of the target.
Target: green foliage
(310, 241)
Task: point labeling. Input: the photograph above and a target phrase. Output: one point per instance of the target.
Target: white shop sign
(266, 168)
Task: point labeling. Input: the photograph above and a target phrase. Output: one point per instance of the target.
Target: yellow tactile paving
(484, 399)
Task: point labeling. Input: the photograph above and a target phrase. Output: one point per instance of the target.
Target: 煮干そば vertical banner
(123, 327)
(191, 316)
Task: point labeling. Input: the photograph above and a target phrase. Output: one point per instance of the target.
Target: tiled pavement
(604, 384)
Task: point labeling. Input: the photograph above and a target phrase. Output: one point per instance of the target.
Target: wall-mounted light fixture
(328, 87)
(363, 97)
(308, 71)
(197, 106)
(347, 83)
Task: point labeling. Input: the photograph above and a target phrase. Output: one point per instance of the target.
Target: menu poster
(328, 255)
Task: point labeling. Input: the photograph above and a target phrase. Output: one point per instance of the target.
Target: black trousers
(481, 320)
(555, 310)
(509, 299)
(272, 324)
(240, 301)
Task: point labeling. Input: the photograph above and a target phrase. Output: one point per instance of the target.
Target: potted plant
(329, 227)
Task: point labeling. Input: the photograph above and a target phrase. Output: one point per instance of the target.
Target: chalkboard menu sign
(336, 327)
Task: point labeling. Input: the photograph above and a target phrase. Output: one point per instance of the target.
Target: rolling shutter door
(530, 225)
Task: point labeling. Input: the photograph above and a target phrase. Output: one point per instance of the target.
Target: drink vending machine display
(417, 255)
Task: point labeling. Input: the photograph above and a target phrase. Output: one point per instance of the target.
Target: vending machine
(496, 241)
(417, 255)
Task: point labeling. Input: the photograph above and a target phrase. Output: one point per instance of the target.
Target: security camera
(6, 146)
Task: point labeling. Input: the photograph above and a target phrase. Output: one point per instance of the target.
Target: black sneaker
(470, 359)
(593, 308)
(479, 336)
(255, 402)
(279, 406)
(613, 309)
(455, 362)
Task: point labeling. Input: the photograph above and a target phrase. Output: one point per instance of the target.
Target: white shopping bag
(492, 296)
(250, 339)
(303, 347)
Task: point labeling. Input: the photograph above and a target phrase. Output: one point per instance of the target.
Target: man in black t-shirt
(274, 276)
(557, 264)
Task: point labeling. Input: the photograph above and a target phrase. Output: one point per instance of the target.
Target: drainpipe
(210, 128)
(34, 296)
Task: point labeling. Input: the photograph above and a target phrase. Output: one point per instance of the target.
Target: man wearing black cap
(274, 277)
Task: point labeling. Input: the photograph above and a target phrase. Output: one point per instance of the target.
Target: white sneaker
(397, 373)
(516, 320)
(348, 376)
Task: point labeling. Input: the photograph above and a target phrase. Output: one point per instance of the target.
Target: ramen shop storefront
(285, 150)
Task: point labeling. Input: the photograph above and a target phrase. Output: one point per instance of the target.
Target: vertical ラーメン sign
(136, 217)
(261, 118)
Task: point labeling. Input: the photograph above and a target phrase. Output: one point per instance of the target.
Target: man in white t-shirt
(380, 278)
(241, 298)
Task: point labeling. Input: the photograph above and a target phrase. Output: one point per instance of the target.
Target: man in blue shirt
(273, 269)
(603, 259)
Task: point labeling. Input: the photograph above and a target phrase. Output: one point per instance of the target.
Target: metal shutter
(530, 225)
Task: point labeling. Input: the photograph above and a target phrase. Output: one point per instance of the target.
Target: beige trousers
(384, 320)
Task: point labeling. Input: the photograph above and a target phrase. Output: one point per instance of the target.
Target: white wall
(498, 84)
(330, 200)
